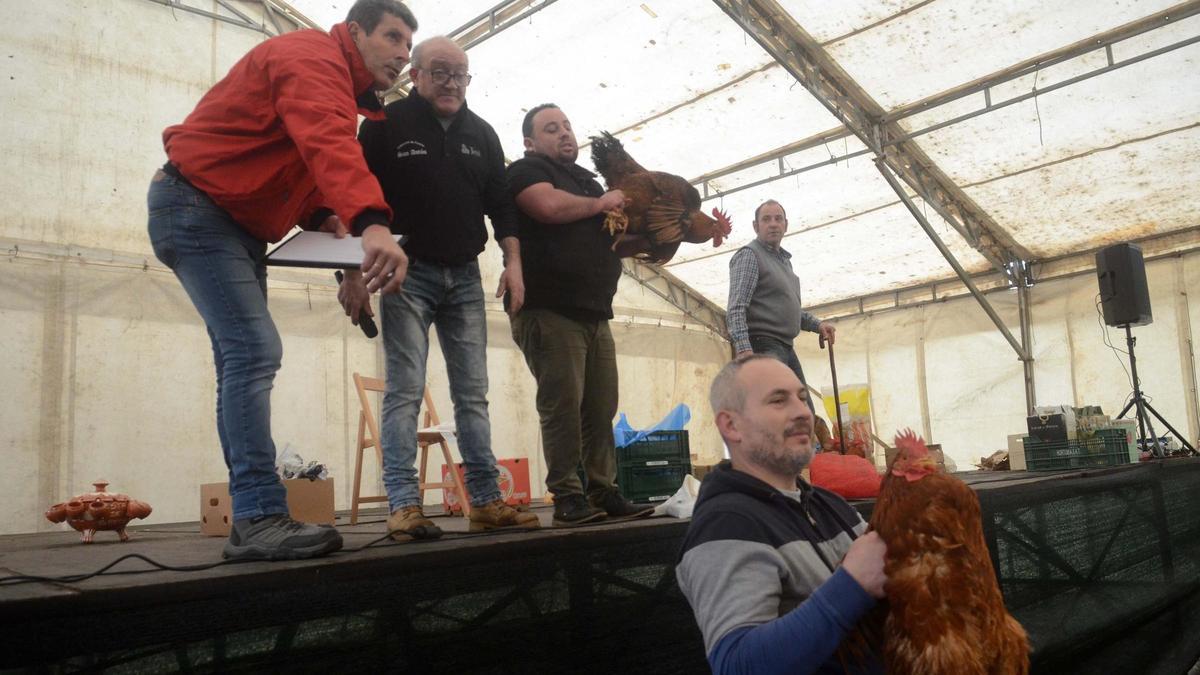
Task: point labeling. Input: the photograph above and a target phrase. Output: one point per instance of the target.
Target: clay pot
(57, 513)
(99, 510)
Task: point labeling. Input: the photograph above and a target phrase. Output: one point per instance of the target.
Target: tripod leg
(1182, 440)
(1124, 410)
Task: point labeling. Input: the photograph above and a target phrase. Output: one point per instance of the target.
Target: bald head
(439, 71)
(436, 46)
(727, 393)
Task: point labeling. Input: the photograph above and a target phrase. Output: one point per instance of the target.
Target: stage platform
(1102, 567)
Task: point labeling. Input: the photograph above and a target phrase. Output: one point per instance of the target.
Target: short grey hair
(769, 201)
(725, 394)
(418, 52)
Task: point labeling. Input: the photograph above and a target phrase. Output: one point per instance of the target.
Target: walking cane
(837, 403)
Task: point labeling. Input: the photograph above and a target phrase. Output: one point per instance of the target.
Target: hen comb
(912, 444)
(724, 227)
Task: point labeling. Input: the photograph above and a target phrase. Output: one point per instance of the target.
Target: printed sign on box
(514, 483)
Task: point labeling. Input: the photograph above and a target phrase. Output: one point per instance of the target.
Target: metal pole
(1026, 336)
(1143, 419)
(945, 251)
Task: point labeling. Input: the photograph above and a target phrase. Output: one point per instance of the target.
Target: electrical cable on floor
(385, 540)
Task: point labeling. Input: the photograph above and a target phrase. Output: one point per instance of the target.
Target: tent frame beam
(893, 181)
(273, 11)
(777, 33)
(1101, 41)
(1155, 247)
(681, 296)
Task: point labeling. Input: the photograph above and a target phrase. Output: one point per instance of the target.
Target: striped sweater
(760, 570)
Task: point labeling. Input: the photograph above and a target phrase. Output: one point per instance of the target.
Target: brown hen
(945, 611)
(660, 206)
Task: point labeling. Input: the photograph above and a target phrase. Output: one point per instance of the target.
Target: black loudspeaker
(1121, 272)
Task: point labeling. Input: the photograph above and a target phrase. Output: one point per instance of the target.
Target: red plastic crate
(514, 483)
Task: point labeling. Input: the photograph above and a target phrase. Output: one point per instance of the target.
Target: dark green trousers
(575, 366)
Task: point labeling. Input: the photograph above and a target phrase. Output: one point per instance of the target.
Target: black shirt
(439, 182)
(571, 268)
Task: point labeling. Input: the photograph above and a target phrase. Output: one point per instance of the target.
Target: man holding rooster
(763, 314)
(570, 276)
(760, 561)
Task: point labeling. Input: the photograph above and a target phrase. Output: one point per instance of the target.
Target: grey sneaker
(278, 537)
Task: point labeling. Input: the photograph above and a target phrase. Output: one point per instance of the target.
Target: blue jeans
(223, 271)
(784, 351)
(450, 297)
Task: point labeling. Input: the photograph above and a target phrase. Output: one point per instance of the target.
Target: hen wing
(945, 606)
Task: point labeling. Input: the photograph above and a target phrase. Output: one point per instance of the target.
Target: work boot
(617, 506)
(409, 522)
(498, 515)
(278, 537)
(574, 510)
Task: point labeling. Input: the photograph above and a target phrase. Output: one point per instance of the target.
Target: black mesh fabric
(1102, 568)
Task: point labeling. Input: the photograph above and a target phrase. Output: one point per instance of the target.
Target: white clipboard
(320, 249)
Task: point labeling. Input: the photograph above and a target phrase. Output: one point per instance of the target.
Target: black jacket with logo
(568, 268)
(439, 183)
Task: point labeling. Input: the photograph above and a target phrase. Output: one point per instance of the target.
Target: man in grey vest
(764, 314)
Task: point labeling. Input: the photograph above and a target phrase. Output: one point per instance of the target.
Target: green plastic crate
(655, 481)
(1097, 451)
(658, 445)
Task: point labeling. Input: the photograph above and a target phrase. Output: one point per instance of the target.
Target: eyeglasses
(442, 77)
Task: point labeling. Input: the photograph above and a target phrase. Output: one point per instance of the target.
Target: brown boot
(497, 515)
(409, 523)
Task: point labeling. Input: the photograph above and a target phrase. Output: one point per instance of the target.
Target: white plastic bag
(681, 503)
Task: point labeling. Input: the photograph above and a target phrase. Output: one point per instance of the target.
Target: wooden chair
(367, 424)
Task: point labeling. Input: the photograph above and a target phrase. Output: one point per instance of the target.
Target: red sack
(850, 476)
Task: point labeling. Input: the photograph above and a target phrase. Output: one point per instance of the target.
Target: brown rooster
(662, 207)
(945, 611)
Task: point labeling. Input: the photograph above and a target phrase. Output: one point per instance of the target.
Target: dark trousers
(575, 366)
(762, 344)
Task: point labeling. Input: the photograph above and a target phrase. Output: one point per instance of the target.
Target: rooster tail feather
(606, 150)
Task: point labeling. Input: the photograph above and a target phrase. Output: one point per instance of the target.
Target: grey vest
(775, 306)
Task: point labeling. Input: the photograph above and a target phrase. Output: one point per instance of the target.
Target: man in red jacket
(271, 146)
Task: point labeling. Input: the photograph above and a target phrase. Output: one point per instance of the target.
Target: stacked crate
(652, 469)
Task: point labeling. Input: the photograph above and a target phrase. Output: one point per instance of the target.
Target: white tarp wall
(945, 371)
(108, 368)
(109, 371)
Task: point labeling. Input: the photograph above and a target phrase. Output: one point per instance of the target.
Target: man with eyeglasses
(442, 169)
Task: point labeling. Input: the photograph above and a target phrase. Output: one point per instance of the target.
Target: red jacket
(276, 139)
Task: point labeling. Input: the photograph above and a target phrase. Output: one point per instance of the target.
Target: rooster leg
(617, 241)
(616, 221)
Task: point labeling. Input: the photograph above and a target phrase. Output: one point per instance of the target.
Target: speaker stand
(1144, 409)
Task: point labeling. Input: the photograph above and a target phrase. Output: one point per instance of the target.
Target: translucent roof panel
(1104, 197)
(949, 42)
(1106, 156)
(433, 17)
(872, 252)
(613, 65)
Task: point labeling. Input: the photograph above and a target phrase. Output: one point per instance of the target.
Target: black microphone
(365, 322)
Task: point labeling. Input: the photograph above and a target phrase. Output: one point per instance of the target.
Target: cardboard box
(1016, 452)
(1052, 424)
(514, 483)
(309, 501)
